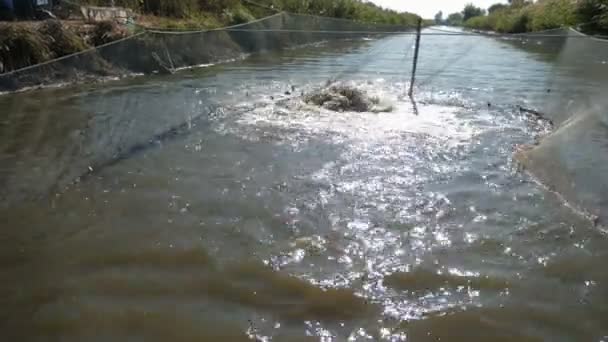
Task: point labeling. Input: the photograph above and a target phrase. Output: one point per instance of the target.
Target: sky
(428, 8)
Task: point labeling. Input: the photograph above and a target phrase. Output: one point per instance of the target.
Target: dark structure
(7, 10)
(24, 9)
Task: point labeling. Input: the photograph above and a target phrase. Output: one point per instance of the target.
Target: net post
(417, 49)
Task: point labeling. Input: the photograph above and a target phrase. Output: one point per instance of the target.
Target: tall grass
(348, 9)
(22, 45)
(239, 10)
(538, 16)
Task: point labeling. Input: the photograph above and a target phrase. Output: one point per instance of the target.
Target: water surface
(214, 205)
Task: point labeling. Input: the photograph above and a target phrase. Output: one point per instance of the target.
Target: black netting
(573, 159)
(164, 51)
(87, 132)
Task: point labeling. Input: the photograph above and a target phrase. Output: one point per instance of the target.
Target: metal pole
(418, 30)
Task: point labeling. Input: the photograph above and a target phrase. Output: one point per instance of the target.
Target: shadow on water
(85, 133)
(155, 277)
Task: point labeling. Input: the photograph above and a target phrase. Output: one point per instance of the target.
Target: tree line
(520, 16)
(244, 10)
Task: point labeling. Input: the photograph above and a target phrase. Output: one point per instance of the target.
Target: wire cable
(409, 32)
(372, 54)
(448, 64)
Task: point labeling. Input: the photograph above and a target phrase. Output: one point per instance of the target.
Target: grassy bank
(347, 9)
(216, 13)
(520, 16)
(27, 43)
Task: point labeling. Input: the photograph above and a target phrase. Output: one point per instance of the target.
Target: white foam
(435, 121)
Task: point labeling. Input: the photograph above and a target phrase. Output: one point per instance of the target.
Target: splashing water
(266, 218)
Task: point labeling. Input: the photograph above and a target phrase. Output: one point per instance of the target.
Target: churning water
(214, 205)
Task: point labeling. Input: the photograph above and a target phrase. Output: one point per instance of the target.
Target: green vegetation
(525, 16)
(458, 18)
(496, 7)
(439, 17)
(593, 15)
(346, 9)
(454, 19)
(215, 13)
(27, 43)
(471, 11)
